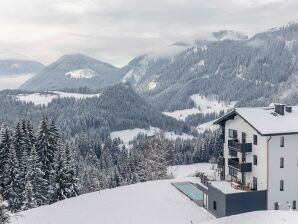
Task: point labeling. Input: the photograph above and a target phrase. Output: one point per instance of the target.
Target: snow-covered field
(259, 217)
(129, 134)
(155, 202)
(46, 98)
(202, 105)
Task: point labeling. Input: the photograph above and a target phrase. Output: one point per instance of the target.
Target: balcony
(239, 147)
(242, 167)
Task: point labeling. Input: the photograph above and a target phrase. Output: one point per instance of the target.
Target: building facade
(261, 154)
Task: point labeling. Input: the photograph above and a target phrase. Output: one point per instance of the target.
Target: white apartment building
(261, 154)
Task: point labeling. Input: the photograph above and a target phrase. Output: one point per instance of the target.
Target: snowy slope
(46, 98)
(260, 217)
(130, 134)
(155, 202)
(202, 105)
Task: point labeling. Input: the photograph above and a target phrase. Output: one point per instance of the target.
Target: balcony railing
(239, 147)
(242, 167)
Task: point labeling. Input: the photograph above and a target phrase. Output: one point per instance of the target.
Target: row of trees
(36, 168)
(111, 164)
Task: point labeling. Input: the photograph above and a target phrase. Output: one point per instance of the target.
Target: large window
(282, 141)
(255, 139)
(243, 137)
(255, 160)
(281, 185)
(294, 205)
(282, 162)
(233, 133)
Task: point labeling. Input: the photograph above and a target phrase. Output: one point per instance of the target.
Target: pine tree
(72, 180)
(4, 216)
(30, 200)
(59, 183)
(36, 178)
(5, 145)
(13, 192)
(45, 149)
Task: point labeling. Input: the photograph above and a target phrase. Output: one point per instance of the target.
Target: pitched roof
(265, 120)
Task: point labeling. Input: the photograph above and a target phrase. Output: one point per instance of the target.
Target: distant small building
(260, 163)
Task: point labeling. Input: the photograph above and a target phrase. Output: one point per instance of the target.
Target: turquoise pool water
(190, 190)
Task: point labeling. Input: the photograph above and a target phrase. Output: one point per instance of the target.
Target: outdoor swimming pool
(191, 191)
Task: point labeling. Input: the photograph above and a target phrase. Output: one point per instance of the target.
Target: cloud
(118, 30)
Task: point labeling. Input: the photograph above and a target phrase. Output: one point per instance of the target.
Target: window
(255, 183)
(233, 172)
(233, 133)
(281, 185)
(282, 162)
(282, 141)
(255, 160)
(214, 205)
(255, 140)
(294, 205)
(276, 206)
(243, 137)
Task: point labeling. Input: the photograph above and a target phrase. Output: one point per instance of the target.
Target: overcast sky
(115, 31)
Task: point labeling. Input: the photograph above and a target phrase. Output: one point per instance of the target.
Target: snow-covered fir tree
(4, 216)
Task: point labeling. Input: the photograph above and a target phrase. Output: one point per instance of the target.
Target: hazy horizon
(115, 31)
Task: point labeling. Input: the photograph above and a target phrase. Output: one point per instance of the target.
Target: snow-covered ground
(46, 98)
(155, 202)
(129, 134)
(202, 105)
(81, 74)
(259, 217)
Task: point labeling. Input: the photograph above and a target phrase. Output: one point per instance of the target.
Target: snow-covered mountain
(253, 71)
(19, 67)
(74, 71)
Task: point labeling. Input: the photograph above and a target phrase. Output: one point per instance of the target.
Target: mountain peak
(229, 35)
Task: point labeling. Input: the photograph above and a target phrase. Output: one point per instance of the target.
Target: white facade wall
(260, 150)
(289, 173)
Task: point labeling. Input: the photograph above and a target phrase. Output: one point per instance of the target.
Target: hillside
(116, 108)
(74, 71)
(252, 71)
(151, 202)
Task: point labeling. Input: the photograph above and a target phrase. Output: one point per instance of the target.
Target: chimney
(289, 109)
(279, 109)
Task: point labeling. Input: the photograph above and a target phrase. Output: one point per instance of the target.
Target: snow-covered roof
(266, 121)
(225, 187)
